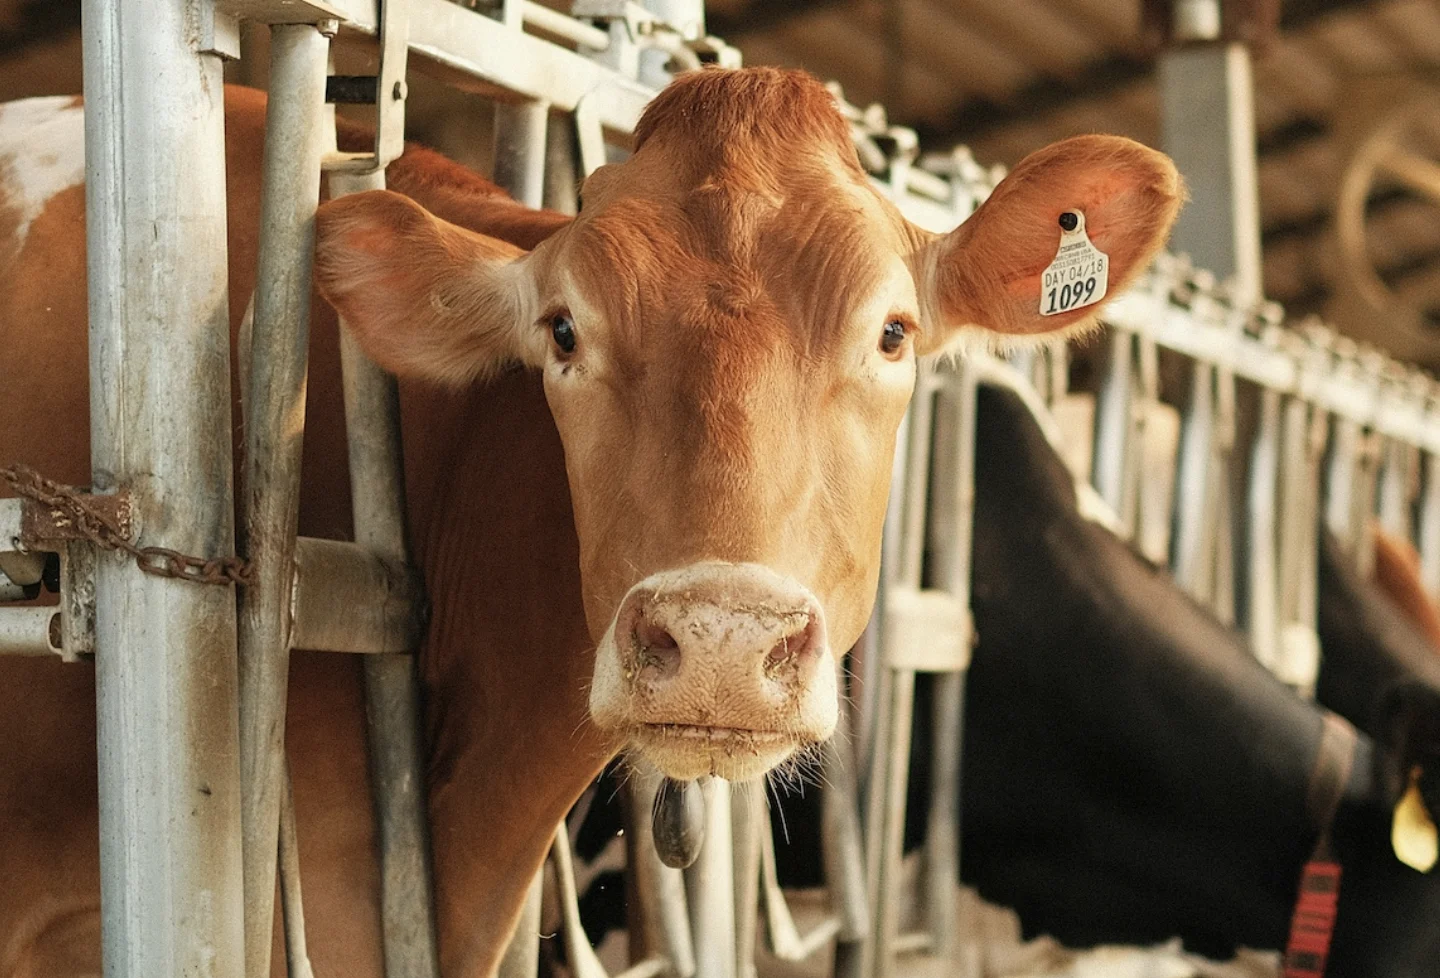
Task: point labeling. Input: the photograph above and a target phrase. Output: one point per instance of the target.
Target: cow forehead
(801, 257)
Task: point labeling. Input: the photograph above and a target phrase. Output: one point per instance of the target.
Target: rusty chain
(72, 508)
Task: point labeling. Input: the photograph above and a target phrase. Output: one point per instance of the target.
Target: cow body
(646, 451)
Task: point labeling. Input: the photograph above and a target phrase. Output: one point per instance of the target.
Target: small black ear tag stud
(1069, 221)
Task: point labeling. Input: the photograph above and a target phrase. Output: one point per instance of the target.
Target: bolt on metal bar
(274, 429)
(169, 807)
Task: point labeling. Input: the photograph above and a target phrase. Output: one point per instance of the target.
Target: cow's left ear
(423, 297)
(990, 272)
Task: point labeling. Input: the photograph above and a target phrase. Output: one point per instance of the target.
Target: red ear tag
(1080, 273)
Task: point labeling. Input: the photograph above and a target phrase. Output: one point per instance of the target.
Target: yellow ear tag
(1412, 833)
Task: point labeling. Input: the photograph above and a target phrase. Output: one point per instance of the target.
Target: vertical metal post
(1395, 488)
(710, 888)
(1192, 557)
(170, 867)
(1207, 126)
(295, 140)
(1262, 621)
(392, 690)
(1429, 531)
(1340, 480)
(659, 890)
(1113, 423)
(520, 130)
(951, 533)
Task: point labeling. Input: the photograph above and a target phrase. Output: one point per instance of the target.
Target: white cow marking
(42, 152)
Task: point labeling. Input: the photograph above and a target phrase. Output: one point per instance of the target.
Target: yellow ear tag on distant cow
(1080, 273)
(1412, 833)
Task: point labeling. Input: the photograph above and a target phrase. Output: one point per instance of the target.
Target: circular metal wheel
(1392, 158)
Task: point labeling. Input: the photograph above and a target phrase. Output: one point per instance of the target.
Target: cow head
(728, 334)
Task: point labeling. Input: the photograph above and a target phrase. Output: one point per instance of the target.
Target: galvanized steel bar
(295, 139)
(292, 906)
(1340, 480)
(30, 631)
(392, 690)
(1192, 559)
(1114, 423)
(520, 131)
(710, 888)
(348, 598)
(1262, 533)
(1428, 533)
(170, 869)
(664, 922)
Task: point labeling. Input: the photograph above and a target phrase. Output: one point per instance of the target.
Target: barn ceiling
(1008, 76)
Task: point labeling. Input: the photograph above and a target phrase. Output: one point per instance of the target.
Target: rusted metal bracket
(386, 90)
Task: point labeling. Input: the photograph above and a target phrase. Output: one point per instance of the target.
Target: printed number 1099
(1070, 296)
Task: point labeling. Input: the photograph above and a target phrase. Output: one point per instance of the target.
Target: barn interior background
(1343, 89)
(1008, 78)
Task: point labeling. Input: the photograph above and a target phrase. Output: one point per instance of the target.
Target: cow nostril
(792, 647)
(656, 648)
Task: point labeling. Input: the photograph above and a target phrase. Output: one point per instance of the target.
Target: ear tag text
(1412, 833)
(1080, 273)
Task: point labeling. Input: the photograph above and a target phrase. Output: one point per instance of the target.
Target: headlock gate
(191, 689)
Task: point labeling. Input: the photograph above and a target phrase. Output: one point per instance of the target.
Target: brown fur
(726, 400)
(1397, 573)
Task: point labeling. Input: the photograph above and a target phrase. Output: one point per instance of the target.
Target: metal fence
(1338, 427)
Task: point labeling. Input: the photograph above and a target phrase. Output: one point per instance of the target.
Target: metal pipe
(951, 538)
(29, 631)
(392, 691)
(1113, 423)
(1429, 530)
(562, 164)
(1395, 484)
(710, 888)
(1191, 561)
(170, 868)
(1340, 481)
(292, 907)
(664, 922)
(841, 846)
(520, 130)
(274, 428)
(562, 26)
(350, 599)
(749, 821)
(1262, 498)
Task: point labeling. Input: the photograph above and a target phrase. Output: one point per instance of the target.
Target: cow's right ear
(423, 297)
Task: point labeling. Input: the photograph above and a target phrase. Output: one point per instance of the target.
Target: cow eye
(562, 330)
(892, 338)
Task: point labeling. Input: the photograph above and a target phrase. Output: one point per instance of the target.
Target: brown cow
(690, 479)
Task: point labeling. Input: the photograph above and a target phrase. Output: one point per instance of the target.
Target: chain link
(70, 507)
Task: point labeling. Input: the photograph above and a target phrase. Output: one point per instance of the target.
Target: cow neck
(1155, 705)
(508, 657)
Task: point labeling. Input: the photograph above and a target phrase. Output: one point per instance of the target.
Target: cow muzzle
(716, 668)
